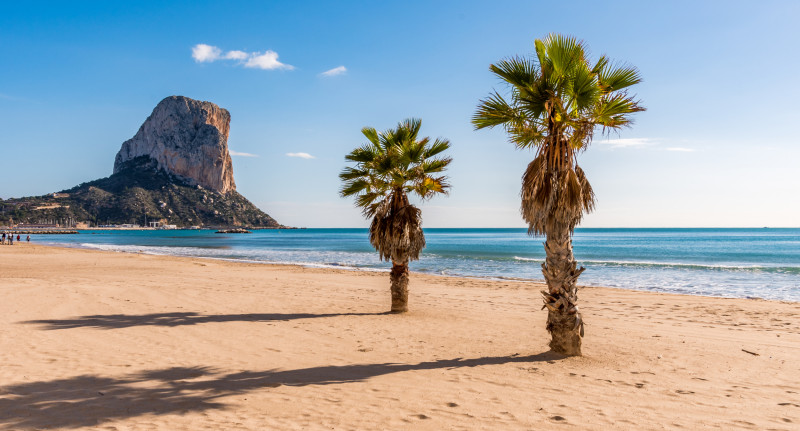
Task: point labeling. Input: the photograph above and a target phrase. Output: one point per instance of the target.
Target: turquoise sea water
(761, 263)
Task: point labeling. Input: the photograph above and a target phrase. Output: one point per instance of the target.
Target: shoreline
(539, 282)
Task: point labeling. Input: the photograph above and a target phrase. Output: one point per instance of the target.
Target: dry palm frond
(396, 230)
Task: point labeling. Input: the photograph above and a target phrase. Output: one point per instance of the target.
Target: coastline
(194, 343)
(323, 266)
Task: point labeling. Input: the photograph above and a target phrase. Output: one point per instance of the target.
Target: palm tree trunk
(561, 273)
(399, 278)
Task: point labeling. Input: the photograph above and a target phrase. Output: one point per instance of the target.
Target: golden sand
(111, 341)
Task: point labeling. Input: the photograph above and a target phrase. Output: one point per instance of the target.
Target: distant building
(60, 195)
(37, 225)
(154, 224)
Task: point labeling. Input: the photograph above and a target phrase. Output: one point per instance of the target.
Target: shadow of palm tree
(91, 400)
(116, 321)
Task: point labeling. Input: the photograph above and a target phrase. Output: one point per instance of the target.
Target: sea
(742, 263)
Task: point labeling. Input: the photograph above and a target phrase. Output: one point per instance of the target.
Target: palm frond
(564, 53)
(494, 111)
(437, 147)
(525, 135)
(434, 165)
(349, 173)
(364, 153)
(612, 112)
(618, 78)
(517, 71)
(372, 135)
(354, 187)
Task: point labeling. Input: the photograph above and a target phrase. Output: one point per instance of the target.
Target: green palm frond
(495, 111)
(355, 186)
(365, 153)
(517, 71)
(349, 173)
(618, 78)
(612, 112)
(434, 165)
(438, 146)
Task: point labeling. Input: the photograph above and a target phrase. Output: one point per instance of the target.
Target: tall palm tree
(390, 166)
(557, 101)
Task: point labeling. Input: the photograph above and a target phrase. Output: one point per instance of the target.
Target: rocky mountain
(186, 138)
(176, 170)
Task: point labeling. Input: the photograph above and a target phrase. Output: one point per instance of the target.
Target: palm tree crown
(558, 100)
(391, 165)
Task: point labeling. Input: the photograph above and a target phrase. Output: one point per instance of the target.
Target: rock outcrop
(186, 138)
(176, 170)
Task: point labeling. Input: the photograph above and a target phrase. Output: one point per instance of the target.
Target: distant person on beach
(11, 239)
(28, 238)
(4, 238)
(17, 238)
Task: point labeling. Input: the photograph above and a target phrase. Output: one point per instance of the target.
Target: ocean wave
(678, 265)
(528, 259)
(694, 266)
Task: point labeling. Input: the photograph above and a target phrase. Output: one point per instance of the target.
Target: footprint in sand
(452, 405)
(558, 418)
(682, 392)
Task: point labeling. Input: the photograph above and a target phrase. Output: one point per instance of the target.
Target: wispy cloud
(335, 71)
(627, 143)
(239, 154)
(681, 149)
(268, 60)
(300, 155)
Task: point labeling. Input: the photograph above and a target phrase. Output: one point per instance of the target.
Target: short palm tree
(557, 101)
(389, 167)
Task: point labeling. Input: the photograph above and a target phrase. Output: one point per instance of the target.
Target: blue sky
(716, 147)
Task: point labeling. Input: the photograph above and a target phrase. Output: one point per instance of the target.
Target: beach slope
(100, 340)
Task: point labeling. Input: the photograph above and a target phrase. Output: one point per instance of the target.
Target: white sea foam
(227, 255)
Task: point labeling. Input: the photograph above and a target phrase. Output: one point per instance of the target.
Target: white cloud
(627, 143)
(203, 53)
(237, 153)
(300, 155)
(335, 71)
(267, 61)
(685, 150)
(235, 55)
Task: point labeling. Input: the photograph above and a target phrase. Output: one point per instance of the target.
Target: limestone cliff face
(188, 138)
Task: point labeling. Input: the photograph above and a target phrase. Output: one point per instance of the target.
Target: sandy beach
(112, 341)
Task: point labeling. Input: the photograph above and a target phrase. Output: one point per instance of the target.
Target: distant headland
(176, 172)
